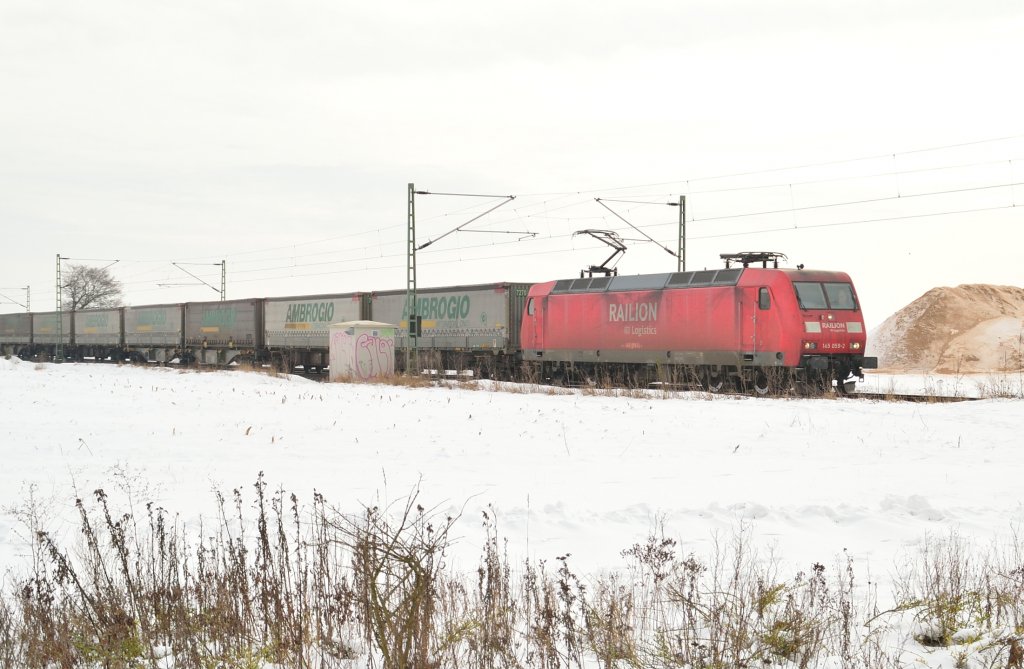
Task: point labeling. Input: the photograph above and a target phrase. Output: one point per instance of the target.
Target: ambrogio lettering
(308, 312)
(450, 307)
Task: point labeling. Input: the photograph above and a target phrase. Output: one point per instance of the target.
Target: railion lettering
(636, 311)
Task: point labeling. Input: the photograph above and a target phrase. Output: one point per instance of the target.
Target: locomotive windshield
(840, 296)
(814, 295)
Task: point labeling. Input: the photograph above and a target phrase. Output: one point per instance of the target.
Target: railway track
(322, 376)
(900, 397)
(857, 395)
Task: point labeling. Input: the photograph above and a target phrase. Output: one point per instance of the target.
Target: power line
(555, 202)
(523, 211)
(891, 198)
(561, 250)
(826, 163)
(859, 222)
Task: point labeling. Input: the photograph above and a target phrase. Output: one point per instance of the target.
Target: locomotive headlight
(810, 345)
(855, 346)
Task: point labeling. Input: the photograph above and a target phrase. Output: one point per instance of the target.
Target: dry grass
(273, 582)
(400, 380)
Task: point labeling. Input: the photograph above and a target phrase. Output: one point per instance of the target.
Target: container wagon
(16, 334)
(472, 327)
(154, 333)
(296, 329)
(99, 334)
(222, 333)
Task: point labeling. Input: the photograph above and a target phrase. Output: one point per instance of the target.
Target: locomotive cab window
(813, 295)
(840, 296)
(529, 307)
(764, 299)
(810, 295)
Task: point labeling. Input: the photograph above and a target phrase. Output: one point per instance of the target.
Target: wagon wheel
(714, 378)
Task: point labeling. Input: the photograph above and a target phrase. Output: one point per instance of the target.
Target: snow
(565, 472)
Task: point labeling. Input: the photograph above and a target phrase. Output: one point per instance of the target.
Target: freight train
(755, 328)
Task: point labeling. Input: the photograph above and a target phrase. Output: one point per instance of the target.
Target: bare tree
(86, 287)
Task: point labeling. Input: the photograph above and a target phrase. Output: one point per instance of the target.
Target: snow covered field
(577, 473)
(580, 473)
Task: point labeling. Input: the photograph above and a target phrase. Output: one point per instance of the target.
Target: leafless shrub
(610, 618)
(1002, 385)
(271, 582)
(965, 599)
(397, 562)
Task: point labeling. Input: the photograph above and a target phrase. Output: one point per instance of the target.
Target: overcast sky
(281, 137)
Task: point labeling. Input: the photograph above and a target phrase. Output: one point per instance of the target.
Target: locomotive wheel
(846, 386)
(761, 383)
(714, 379)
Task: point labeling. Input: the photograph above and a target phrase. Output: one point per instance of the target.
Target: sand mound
(970, 328)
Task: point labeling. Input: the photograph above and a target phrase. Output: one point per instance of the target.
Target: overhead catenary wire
(886, 219)
(364, 267)
(649, 238)
(546, 209)
(11, 300)
(825, 163)
(850, 203)
(559, 195)
(383, 256)
(522, 211)
(719, 218)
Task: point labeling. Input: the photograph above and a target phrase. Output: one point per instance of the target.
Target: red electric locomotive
(757, 327)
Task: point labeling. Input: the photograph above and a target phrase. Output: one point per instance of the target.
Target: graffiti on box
(374, 356)
(364, 355)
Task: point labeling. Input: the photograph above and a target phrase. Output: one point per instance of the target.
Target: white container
(361, 350)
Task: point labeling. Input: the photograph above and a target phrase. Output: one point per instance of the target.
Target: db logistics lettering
(96, 320)
(642, 311)
(308, 312)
